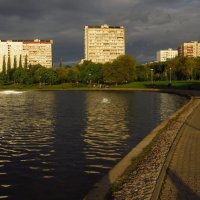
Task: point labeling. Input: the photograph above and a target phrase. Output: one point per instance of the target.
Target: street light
(151, 76)
(170, 75)
(90, 79)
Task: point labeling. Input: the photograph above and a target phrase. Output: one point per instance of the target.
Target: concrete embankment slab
(183, 162)
(101, 188)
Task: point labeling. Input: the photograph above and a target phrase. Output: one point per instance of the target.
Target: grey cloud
(150, 24)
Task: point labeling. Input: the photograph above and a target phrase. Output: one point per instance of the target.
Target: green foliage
(121, 70)
(8, 64)
(22, 76)
(26, 62)
(142, 72)
(72, 75)
(61, 74)
(3, 78)
(4, 64)
(91, 72)
(8, 68)
(15, 62)
(45, 76)
(20, 61)
(180, 68)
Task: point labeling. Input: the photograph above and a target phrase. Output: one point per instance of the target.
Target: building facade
(35, 51)
(104, 43)
(164, 55)
(189, 49)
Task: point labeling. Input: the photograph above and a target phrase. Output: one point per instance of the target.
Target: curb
(163, 173)
(100, 189)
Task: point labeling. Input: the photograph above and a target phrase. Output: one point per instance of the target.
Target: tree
(8, 64)
(142, 72)
(91, 72)
(61, 74)
(3, 78)
(182, 70)
(44, 75)
(15, 62)
(9, 68)
(4, 65)
(32, 70)
(22, 76)
(196, 70)
(26, 62)
(73, 74)
(121, 70)
(51, 76)
(20, 61)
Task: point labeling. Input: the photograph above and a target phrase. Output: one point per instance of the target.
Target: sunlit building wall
(104, 43)
(164, 55)
(36, 51)
(12, 49)
(189, 49)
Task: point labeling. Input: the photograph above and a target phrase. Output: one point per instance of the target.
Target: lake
(57, 144)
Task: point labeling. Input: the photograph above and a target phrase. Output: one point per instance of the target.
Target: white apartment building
(36, 51)
(104, 43)
(189, 49)
(164, 55)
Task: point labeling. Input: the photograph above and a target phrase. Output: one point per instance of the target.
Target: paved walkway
(183, 177)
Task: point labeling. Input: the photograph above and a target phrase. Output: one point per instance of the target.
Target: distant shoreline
(181, 92)
(189, 85)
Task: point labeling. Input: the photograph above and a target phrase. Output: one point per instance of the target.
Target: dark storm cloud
(150, 24)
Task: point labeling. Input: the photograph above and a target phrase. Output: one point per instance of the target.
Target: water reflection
(26, 135)
(56, 145)
(106, 130)
(168, 104)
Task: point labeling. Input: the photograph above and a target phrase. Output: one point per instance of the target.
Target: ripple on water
(61, 139)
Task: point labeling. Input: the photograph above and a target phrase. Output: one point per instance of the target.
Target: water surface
(57, 144)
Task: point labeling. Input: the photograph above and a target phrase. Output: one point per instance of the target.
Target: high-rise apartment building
(164, 55)
(104, 43)
(189, 49)
(36, 52)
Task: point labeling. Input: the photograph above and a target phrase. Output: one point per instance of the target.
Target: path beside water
(146, 180)
(183, 173)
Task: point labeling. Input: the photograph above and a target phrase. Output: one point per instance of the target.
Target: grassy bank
(63, 86)
(185, 85)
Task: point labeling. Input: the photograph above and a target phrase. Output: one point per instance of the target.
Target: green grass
(43, 87)
(186, 85)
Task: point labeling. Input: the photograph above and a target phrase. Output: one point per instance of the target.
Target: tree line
(123, 69)
(179, 68)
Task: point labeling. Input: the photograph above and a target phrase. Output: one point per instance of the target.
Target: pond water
(57, 144)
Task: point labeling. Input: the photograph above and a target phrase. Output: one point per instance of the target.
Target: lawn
(187, 85)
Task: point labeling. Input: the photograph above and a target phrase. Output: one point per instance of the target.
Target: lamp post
(90, 79)
(170, 75)
(151, 76)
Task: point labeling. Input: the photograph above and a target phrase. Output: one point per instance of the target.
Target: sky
(150, 25)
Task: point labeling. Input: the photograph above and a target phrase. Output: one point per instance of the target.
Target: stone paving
(183, 176)
(141, 182)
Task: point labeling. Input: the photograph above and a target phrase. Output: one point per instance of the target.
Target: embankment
(139, 171)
